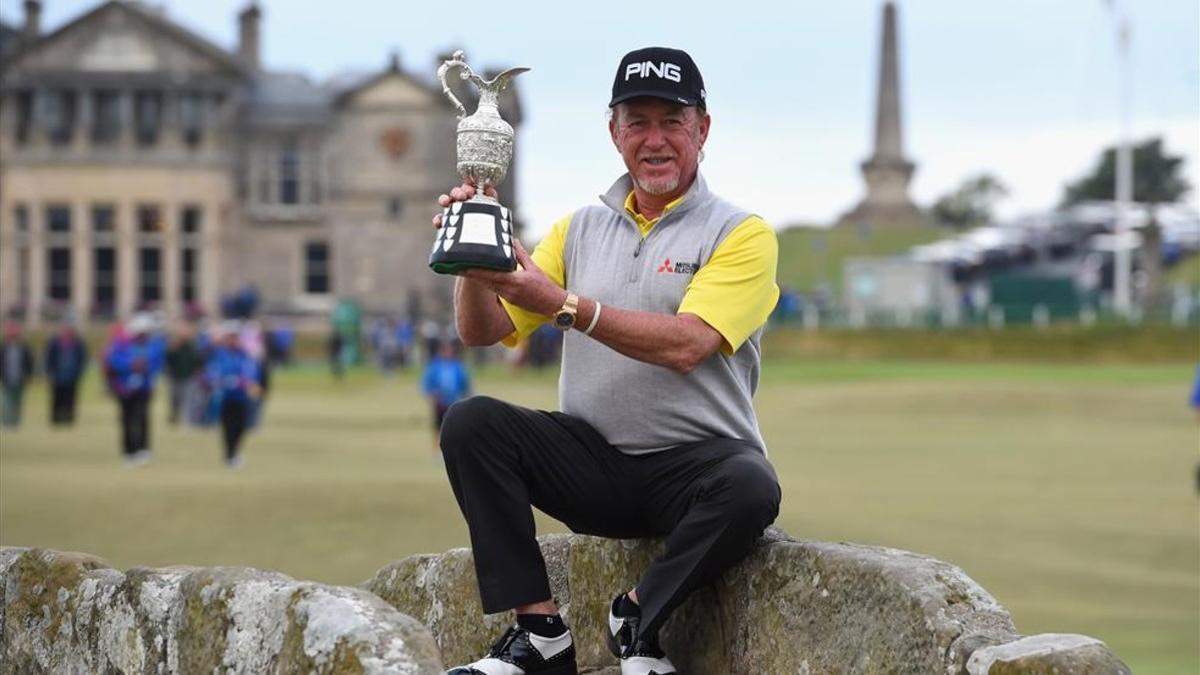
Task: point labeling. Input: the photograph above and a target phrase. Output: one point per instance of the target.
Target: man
(16, 367)
(445, 382)
(183, 363)
(662, 292)
(233, 376)
(66, 359)
(134, 364)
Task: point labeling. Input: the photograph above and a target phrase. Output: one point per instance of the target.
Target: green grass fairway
(809, 256)
(1067, 491)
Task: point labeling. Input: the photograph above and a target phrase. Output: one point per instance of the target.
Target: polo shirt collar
(619, 198)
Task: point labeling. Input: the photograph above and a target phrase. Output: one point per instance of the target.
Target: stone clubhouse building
(144, 167)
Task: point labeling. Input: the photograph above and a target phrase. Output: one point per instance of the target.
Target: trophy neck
(489, 100)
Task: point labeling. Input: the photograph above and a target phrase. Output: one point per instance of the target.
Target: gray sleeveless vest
(638, 407)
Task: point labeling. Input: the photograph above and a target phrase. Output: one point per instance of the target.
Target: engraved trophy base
(474, 233)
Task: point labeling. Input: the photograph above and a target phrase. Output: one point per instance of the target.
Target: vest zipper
(633, 267)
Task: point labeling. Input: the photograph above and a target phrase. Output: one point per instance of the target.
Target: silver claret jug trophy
(479, 231)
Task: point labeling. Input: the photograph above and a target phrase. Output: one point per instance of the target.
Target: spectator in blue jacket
(445, 381)
(16, 368)
(66, 359)
(133, 366)
(233, 376)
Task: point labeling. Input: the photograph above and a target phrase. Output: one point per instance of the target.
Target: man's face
(660, 142)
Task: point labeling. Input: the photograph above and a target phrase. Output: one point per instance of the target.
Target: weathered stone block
(72, 613)
(1047, 654)
(791, 606)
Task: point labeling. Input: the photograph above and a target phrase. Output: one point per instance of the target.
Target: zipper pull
(638, 250)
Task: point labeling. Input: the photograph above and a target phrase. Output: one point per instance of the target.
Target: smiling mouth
(656, 161)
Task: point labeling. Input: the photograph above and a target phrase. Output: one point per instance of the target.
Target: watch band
(564, 318)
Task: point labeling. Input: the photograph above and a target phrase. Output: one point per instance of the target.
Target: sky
(1027, 90)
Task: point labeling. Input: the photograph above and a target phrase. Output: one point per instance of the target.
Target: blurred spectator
(16, 367)
(241, 305)
(404, 341)
(544, 346)
(134, 364)
(183, 366)
(280, 341)
(445, 381)
(232, 374)
(336, 363)
(431, 338)
(383, 341)
(66, 359)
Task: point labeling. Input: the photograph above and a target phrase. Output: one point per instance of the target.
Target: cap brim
(673, 98)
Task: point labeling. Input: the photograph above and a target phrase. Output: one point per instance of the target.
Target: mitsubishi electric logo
(668, 267)
(667, 71)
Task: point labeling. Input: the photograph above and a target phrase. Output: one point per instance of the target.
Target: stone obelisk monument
(887, 172)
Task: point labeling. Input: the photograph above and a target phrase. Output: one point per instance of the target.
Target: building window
(106, 116)
(60, 116)
(289, 174)
(189, 220)
(58, 219)
(191, 117)
(150, 274)
(21, 218)
(24, 125)
(103, 218)
(58, 279)
(149, 219)
(395, 207)
(189, 273)
(316, 268)
(147, 116)
(104, 275)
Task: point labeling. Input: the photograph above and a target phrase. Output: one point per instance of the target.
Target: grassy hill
(809, 256)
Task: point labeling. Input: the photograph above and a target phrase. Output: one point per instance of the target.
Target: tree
(1157, 177)
(970, 204)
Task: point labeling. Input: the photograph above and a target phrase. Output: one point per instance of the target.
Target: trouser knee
(464, 426)
(752, 492)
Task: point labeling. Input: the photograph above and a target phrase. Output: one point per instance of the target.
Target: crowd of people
(218, 376)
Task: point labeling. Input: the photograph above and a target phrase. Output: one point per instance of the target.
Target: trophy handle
(456, 61)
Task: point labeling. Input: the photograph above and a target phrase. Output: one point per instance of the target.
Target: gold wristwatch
(564, 318)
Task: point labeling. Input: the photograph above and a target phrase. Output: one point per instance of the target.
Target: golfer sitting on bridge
(662, 292)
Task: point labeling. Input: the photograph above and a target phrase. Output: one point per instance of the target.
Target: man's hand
(527, 287)
(459, 194)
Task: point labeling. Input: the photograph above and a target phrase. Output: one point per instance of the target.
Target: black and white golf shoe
(640, 655)
(519, 652)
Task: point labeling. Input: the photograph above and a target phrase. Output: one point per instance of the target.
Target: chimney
(248, 43)
(33, 19)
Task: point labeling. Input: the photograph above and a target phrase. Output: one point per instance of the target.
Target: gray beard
(657, 188)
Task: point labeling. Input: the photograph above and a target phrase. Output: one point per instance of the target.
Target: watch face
(564, 320)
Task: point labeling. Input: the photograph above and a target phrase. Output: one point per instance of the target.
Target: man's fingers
(443, 200)
(437, 221)
(522, 257)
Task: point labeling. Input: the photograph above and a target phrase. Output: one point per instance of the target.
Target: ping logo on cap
(662, 69)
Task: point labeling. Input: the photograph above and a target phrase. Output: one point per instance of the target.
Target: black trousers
(235, 414)
(62, 403)
(711, 499)
(135, 422)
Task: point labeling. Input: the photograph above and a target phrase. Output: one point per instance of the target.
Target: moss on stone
(205, 623)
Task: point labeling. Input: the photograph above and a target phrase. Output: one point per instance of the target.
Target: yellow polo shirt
(734, 292)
